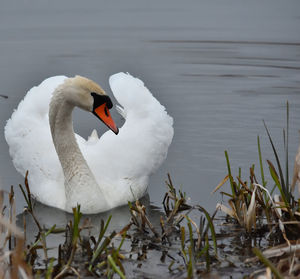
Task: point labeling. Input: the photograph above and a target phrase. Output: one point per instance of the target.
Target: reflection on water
(145, 256)
(48, 216)
(219, 67)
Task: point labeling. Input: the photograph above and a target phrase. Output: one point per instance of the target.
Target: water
(219, 67)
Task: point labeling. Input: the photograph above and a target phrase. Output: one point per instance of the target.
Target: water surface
(219, 67)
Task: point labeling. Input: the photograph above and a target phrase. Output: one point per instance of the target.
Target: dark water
(219, 67)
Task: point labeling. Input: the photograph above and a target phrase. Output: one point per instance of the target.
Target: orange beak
(103, 114)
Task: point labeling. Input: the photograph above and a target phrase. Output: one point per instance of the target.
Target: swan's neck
(79, 179)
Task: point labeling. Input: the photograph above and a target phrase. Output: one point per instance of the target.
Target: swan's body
(98, 173)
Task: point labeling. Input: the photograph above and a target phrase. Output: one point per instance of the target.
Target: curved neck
(77, 174)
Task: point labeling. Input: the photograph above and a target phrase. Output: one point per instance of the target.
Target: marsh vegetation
(257, 236)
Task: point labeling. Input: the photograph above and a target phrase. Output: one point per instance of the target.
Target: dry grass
(257, 209)
(188, 242)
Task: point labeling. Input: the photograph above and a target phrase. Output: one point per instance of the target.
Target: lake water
(219, 68)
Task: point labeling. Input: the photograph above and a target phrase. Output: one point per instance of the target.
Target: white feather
(121, 111)
(121, 164)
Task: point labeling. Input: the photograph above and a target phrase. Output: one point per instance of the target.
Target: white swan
(98, 173)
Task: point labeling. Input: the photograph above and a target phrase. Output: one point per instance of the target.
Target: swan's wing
(28, 135)
(148, 130)
(126, 160)
(121, 111)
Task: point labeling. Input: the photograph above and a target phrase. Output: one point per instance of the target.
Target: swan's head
(88, 95)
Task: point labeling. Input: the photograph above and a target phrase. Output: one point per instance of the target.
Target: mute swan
(98, 173)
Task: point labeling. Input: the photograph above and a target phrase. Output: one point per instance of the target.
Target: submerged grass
(195, 241)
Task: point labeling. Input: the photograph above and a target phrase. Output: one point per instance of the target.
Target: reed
(185, 235)
(250, 202)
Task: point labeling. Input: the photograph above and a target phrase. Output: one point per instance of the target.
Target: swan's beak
(102, 112)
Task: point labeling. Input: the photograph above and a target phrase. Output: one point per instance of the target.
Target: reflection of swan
(48, 216)
(112, 169)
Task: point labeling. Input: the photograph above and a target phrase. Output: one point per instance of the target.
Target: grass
(197, 250)
(101, 255)
(256, 208)
(22, 261)
(195, 240)
(250, 201)
(186, 235)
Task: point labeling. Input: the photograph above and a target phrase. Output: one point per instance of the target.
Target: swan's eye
(106, 112)
(101, 99)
